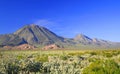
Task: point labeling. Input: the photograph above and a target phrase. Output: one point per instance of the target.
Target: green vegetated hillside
(60, 62)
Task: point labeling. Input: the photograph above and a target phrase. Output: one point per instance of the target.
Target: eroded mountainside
(37, 35)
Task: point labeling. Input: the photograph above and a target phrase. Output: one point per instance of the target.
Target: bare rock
(24, 47)
(52, 46)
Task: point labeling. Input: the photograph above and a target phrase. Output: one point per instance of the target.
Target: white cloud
(50, 24)
(55, 26)
(44, 22)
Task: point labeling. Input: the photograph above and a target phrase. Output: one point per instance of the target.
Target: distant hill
(80, 38)
(37, 35)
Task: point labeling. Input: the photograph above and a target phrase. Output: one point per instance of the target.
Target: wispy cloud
(44, 22)
(50, 24)
(56, 26)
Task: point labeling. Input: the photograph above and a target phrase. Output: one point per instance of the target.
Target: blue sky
(94, 18)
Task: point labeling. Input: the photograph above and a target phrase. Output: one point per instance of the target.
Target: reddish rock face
(52, 46)
(21, 47)
(25, 46)
(7, 47)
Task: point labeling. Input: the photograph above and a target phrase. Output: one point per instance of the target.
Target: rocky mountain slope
(37, 35)
(11, 40)
(33, 34)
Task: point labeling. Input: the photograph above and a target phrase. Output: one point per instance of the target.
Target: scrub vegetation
(60, 62)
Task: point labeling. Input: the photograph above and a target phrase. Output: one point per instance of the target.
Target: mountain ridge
(37, 35)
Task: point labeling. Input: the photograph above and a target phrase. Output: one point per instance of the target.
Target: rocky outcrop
(52, 46)
(24, 47)
(7, 47)
(20, 47)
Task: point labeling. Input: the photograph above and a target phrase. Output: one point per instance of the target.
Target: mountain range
(40, 36)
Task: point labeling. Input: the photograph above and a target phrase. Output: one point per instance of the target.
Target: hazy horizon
(94, 18)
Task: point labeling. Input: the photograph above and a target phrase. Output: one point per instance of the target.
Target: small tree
(12, 68)
(34, 67)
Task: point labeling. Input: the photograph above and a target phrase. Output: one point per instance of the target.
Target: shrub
(100, 67)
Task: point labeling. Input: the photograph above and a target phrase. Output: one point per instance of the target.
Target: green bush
(43, 58)
(101, 67)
